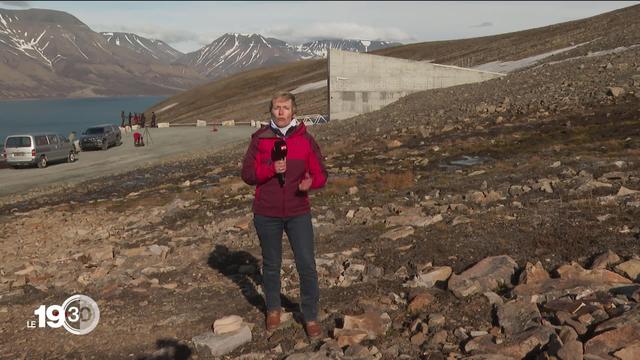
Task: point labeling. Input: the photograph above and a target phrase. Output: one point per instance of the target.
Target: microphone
(279, 152)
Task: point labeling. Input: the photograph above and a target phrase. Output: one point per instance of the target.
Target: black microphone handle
(281, 177)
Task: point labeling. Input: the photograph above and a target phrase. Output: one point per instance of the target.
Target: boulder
(420, 302)
(613, 340)
(516, 347)
(533, 273)
(227, 324)
(349, 337)
(575, 271)
(631, 352)
(605, 259)
(615, 91)
(570, 350)
(630, 268)
(488, 274)
(623, 191)
(517, 316)
(429, 278)
(373, 323)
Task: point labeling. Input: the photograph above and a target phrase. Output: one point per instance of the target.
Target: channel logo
(79, 315)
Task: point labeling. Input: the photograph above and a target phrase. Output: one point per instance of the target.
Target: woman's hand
(305, 184)
(280, 166)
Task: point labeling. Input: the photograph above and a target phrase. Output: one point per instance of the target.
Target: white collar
(283, 130)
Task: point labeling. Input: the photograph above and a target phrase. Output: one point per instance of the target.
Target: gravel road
(164, 144)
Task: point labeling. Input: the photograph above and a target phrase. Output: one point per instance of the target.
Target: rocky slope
(476, 228)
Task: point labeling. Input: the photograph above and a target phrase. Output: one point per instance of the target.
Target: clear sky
(187, 26)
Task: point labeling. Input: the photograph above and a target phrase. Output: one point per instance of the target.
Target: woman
(281, 203)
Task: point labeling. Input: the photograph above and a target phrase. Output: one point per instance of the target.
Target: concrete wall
(361, 83)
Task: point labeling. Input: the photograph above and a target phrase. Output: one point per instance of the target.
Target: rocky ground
(486, 221)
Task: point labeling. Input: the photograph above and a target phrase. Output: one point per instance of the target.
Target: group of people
(137, 119)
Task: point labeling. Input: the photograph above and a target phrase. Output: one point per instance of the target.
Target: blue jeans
(300, 233)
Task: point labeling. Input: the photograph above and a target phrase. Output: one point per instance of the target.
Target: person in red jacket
(281, 203)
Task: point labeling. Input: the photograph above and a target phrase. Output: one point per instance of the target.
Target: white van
(37, 149)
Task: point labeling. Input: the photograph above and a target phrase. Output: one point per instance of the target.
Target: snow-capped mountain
(48, 53)
(320, 48)
(157, 49)
(232, 53)
(44, 36)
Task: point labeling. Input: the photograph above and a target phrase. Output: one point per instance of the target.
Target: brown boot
(273, 319)
(313, 328)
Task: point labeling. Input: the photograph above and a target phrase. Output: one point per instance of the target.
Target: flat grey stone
(219, 345)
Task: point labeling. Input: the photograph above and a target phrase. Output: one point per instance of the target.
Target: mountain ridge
(45, 54)
(52, 54)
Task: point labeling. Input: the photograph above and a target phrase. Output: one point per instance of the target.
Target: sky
(188, 26)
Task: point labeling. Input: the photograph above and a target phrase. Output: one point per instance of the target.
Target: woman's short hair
(286, 96)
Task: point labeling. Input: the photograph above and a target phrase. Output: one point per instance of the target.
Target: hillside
(604, 32)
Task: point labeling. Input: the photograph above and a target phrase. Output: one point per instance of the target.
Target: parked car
(40, 149)
(100, 137)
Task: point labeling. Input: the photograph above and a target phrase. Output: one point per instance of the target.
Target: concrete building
(361, 83)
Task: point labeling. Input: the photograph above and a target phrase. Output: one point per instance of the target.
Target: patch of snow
(166, 107)
(56, 58)
(101, 47)
(76, 45)
(597, 53)
(3, 21)
(141, 44)
(612, 51)
(511, 66)
(118, 41)
(107, 34)
(311, 86)
(32, 46)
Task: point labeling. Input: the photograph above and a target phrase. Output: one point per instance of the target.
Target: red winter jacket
(303, 155)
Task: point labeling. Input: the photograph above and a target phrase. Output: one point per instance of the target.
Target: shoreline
(83, 97)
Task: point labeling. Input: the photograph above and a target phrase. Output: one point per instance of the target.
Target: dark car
(100, 137)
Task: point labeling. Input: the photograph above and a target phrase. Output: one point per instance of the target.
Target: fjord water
(66, 115)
